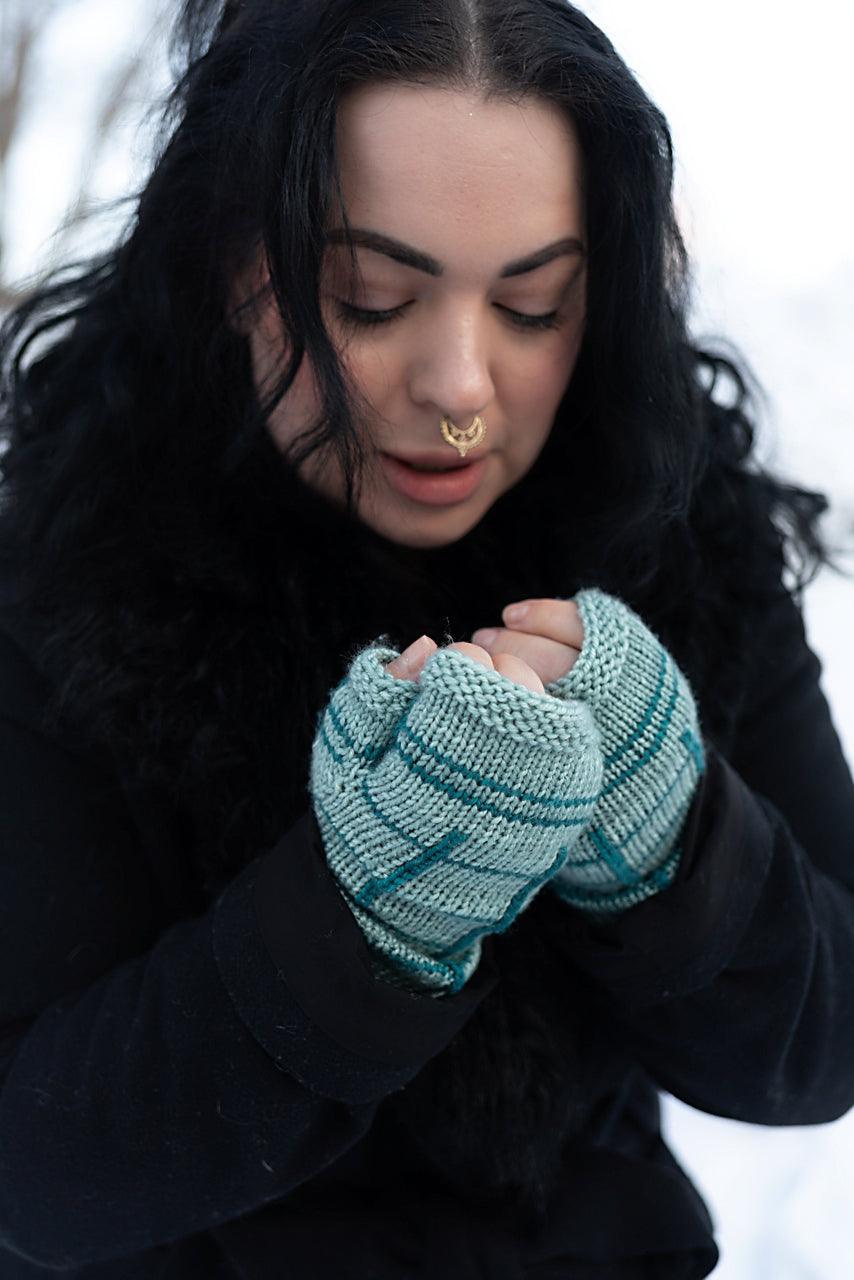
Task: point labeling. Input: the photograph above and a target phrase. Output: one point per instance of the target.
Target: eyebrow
(410, 257)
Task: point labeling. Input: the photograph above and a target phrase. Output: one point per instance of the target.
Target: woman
(340, 937)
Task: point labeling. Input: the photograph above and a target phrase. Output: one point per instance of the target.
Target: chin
(428, 534)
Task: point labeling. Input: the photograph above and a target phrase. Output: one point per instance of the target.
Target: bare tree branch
(11, 94)
(19, 32)
(18, 49)
(20, 28)
(21, 24)
(122, 84)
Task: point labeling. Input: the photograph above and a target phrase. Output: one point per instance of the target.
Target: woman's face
(470, 224)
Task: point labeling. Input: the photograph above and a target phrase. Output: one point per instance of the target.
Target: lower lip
(435, 488)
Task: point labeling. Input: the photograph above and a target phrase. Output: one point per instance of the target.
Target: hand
(444, 808)
(545, 634)
(410, 663)
(653, 757)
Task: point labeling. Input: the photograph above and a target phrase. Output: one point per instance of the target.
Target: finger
(519, 672)
(549, 659)
(474, 651)
(408, 665)
(363, 709)
(557, 620)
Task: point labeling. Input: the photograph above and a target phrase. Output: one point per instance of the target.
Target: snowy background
(759, 103)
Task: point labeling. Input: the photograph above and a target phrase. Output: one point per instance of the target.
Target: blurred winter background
(758, 97)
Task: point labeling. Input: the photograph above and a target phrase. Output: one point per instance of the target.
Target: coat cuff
(680, 939)
(298, 969)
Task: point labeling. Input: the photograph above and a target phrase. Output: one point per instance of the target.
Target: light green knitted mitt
(653, 756)
(444, 806)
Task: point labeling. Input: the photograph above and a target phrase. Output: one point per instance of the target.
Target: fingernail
(410, 656)
(515, 612)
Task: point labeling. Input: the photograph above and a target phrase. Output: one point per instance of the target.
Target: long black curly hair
(193, 602)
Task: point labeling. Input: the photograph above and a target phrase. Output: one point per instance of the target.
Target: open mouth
(432, 470)
(432, 483)
(432, 465)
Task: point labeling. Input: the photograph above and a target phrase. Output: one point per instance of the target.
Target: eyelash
(368, 319)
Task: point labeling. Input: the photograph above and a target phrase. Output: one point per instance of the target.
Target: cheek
(376, 367)
(534, 394)
(542, 380)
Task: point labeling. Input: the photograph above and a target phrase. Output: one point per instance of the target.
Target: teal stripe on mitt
(445, 806)
(653, 759)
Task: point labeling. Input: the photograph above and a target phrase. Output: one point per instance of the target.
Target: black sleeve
(156, 1082)
(735, 986)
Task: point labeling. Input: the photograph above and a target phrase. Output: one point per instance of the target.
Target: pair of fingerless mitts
(445, 806)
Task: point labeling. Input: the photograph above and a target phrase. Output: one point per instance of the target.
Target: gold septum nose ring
(463, 440)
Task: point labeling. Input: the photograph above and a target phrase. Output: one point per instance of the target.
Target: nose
(451, 372)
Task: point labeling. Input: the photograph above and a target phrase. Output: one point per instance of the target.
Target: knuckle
(474, 651)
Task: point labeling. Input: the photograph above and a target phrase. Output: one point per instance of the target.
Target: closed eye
(367, 319)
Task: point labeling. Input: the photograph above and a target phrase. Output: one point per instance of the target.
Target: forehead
(469, 180)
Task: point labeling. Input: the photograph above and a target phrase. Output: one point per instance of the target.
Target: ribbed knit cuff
(653, 758)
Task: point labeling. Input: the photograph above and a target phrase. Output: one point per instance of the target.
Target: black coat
(199, 1092)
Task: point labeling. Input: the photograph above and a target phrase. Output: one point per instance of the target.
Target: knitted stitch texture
(653, 757)
(444, 806)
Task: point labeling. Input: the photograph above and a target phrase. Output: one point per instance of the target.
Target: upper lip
(439, 460)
